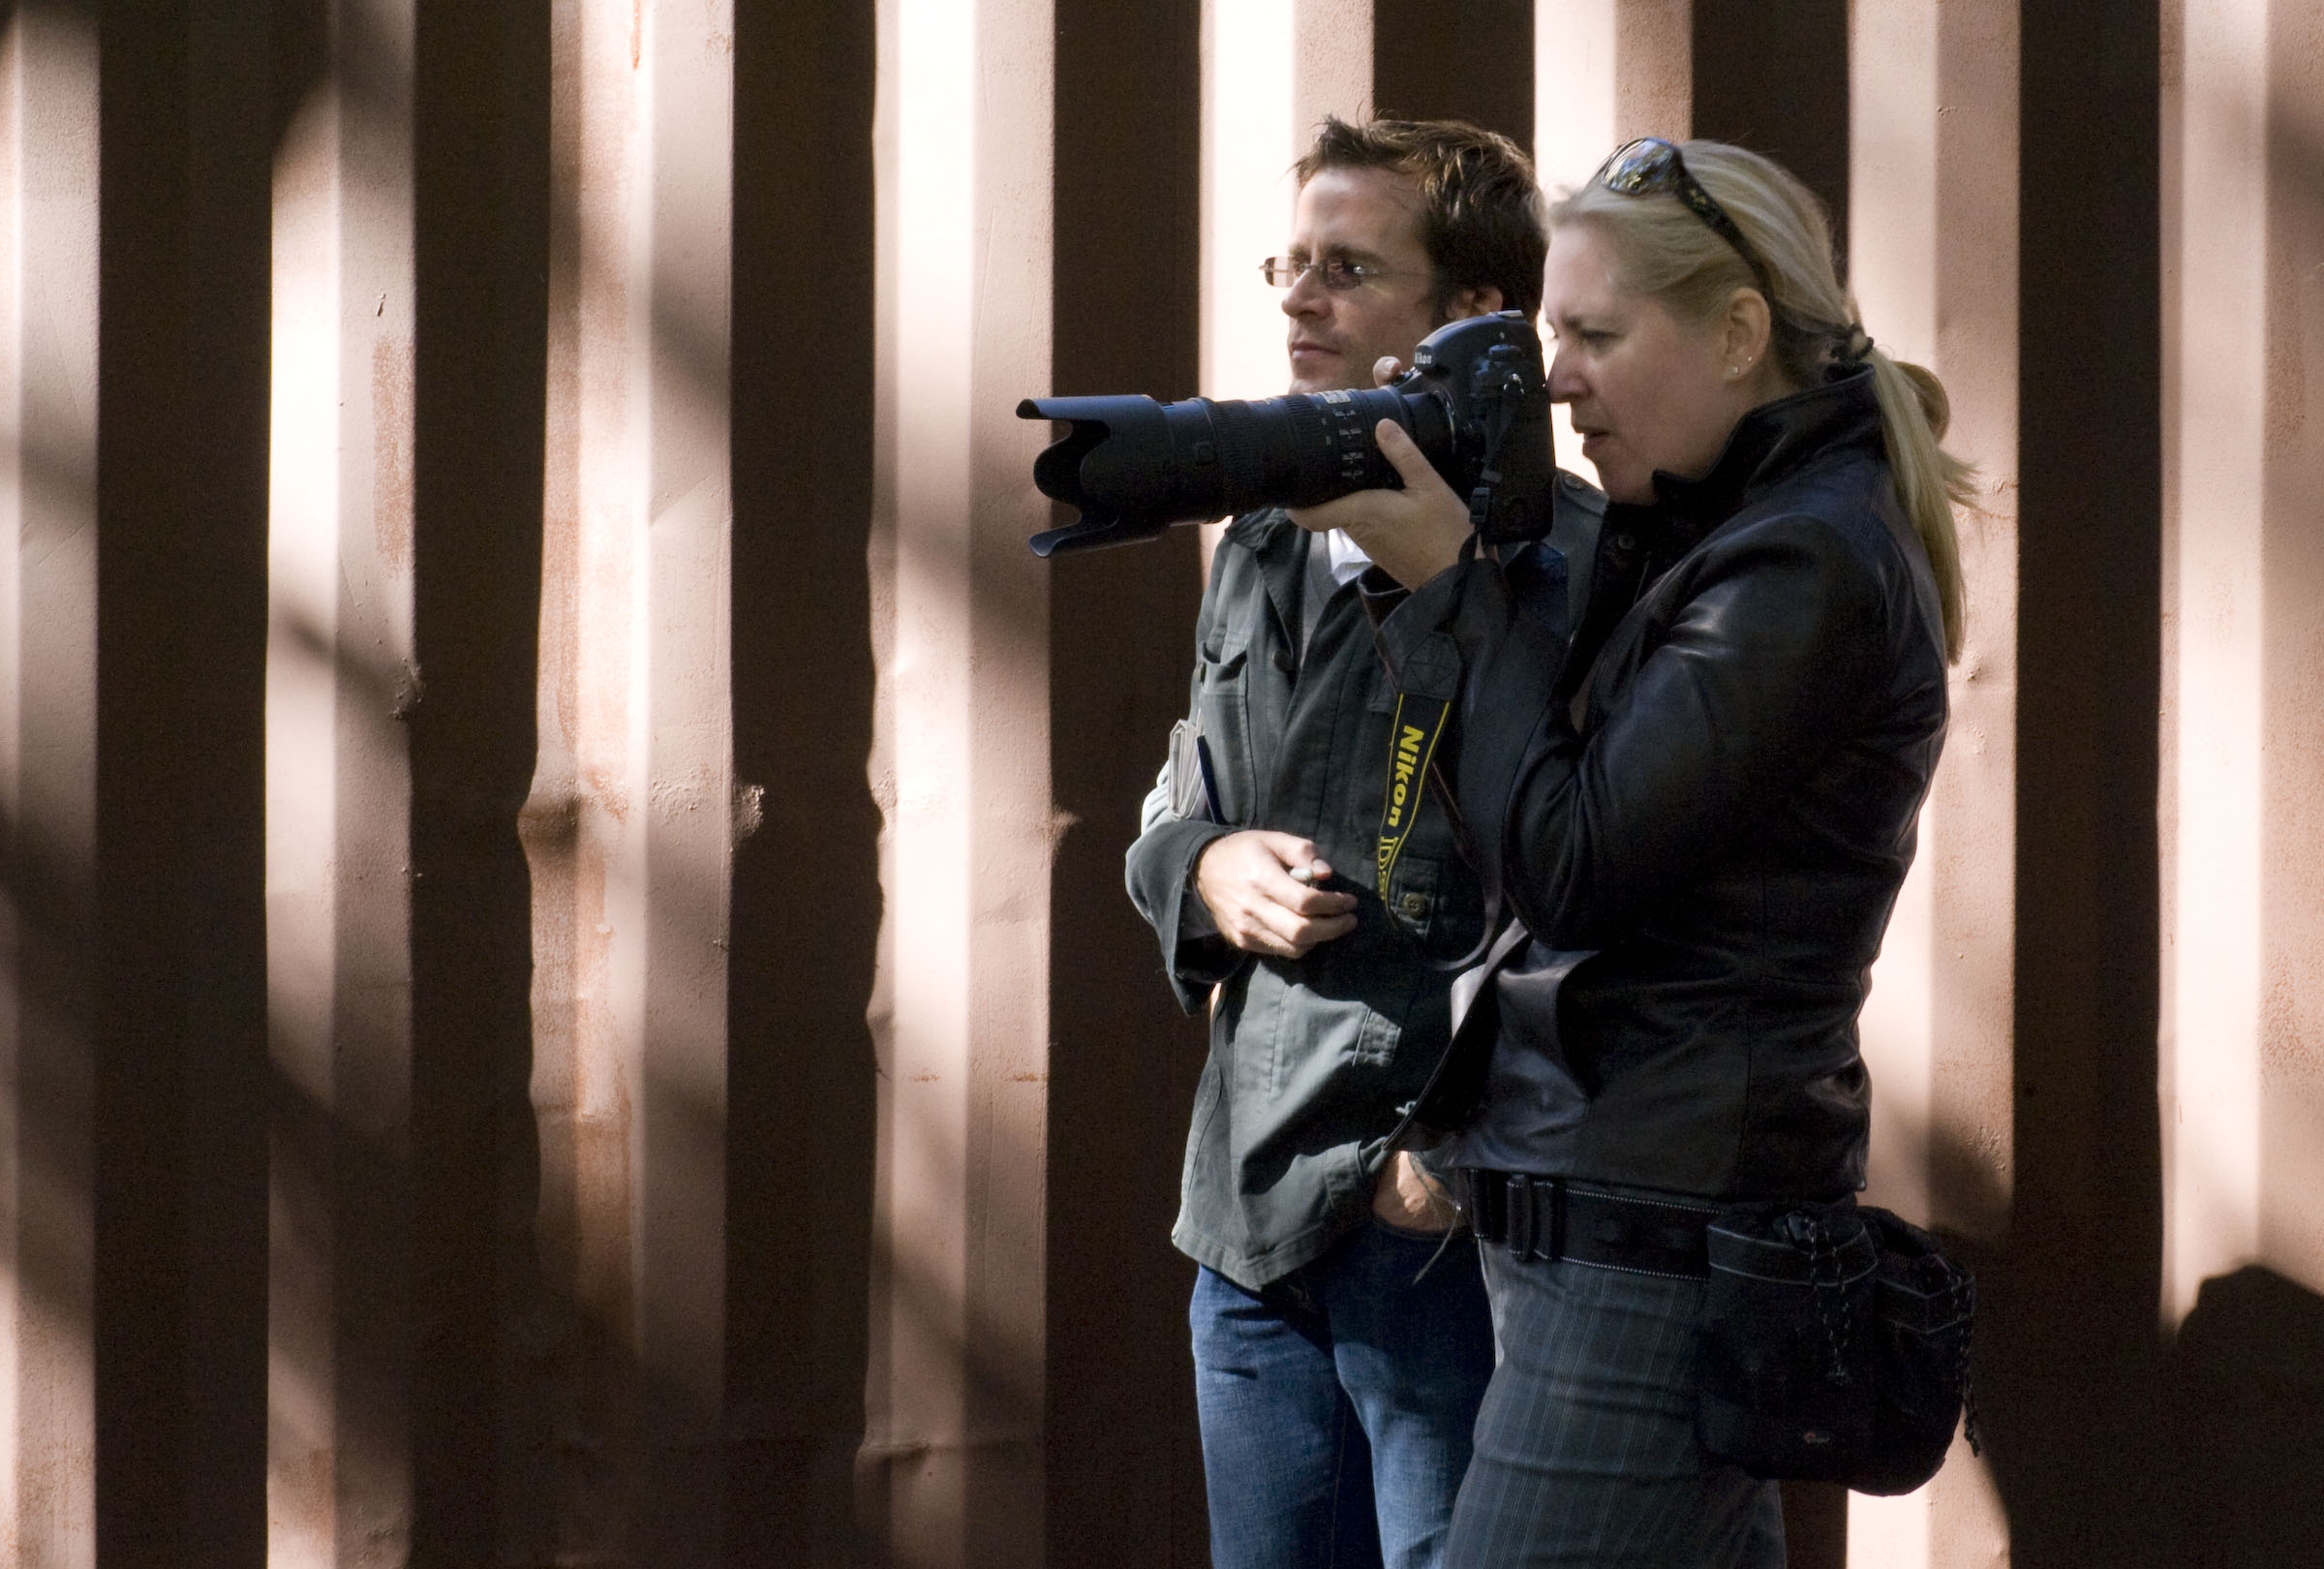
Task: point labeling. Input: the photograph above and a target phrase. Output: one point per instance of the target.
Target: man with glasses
(1341, 1337)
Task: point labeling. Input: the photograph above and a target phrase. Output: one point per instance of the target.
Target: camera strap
(1413, 732)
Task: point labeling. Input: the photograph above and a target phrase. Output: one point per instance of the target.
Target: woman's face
(1648, 390)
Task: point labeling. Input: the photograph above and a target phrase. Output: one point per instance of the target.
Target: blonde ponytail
(1930, 481)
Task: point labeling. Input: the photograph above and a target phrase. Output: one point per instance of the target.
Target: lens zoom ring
(1241, 437)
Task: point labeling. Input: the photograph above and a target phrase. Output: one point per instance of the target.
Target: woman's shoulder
(1837, 534)
(1844, 505)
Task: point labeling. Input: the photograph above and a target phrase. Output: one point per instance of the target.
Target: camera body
(1476, 402)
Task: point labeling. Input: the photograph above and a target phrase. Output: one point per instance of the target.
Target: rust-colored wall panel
(2068, 1348)
(2243, 1077)
(1933, 265)
(1774, 79)
(480, 1486)
(1470, 61)
(953, 1461)
(1124, 1460)
(49, 136)
(806, 899)
(181, 1042)
(338, 800)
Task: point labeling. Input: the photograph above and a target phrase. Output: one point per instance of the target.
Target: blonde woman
(1699, 804)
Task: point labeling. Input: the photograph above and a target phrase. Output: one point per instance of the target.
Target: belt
(1549, 1218)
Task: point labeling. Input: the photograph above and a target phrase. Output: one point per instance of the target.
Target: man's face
(1371, 217)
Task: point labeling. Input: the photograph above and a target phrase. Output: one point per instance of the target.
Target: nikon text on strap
(1412, 733)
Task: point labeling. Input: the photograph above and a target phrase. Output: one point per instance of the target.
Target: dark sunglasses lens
(1643, 166)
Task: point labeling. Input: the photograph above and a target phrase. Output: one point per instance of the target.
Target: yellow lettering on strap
(1411, 744)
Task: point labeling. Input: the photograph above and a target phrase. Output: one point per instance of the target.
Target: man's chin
(1320, 375)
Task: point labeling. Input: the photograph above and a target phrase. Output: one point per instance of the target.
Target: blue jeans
(1337, 1403)
(1586, 1457)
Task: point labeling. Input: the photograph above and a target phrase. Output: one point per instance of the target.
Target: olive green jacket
(1313, 1062)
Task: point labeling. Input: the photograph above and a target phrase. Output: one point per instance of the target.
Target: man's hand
(1261, 889)
(1408, 1198)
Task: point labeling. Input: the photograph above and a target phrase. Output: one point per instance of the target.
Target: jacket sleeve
(1159, 869)
(1773, 647)
(1161, 865)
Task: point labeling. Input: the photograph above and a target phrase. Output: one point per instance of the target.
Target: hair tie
(1859, 344)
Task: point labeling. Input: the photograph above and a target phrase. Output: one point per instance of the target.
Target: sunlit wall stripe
(2216, 375)
(952, 1454)
(340, 680)
(48, 195)
(1931, 254)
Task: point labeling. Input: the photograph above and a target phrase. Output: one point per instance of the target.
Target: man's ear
(1468, 302)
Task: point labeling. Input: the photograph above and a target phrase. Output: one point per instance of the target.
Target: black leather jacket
(1705, 830)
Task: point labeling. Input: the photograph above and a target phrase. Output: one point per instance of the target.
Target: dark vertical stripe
(1124, 1465)
(2071, 1350)
(1774, 79)
(1472, 60)
(480, 1474)
(180, 1315)
(800, 1106)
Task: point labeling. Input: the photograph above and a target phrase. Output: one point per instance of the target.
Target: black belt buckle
(1542, 1220)
(1536, 1208)
(1485, 1200)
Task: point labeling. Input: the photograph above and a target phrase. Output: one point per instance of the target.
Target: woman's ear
(1746, 333)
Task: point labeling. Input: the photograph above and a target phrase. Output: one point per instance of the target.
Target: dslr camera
(1476, 402)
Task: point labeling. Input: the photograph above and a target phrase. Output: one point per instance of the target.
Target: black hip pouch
(1834, 1347)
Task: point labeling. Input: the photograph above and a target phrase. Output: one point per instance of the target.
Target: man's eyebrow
(1341, 253)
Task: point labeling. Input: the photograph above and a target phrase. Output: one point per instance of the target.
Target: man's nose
(1307, 295)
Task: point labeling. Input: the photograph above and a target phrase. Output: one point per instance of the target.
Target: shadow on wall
(2248, 1377)
(2111, 1446)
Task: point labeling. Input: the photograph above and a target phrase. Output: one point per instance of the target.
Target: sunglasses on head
(1652, 164)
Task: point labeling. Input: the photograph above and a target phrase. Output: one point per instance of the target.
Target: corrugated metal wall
(564, 992)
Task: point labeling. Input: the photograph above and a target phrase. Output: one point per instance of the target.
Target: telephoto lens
(1475, 402)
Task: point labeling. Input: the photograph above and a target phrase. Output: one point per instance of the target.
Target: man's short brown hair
(1481, 217)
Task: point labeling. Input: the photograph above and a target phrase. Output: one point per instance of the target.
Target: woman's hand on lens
(1412, 534)
(1261, 889)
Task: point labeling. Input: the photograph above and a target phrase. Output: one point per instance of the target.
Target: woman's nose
(1565, 381)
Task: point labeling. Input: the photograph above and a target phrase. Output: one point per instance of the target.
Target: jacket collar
(1768, 445)
(1280, 547)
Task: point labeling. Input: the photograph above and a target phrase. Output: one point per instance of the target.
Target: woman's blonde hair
(1663, 250)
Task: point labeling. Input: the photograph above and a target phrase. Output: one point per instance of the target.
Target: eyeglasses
(1337, 275)
(1651, 164)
